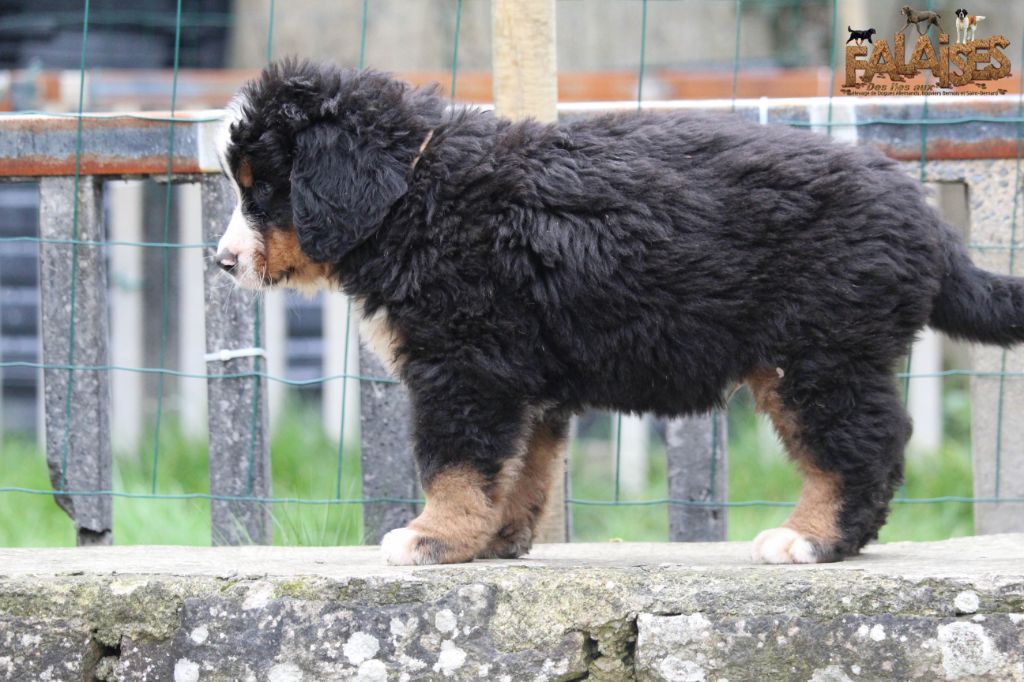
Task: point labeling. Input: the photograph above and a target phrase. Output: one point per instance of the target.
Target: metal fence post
(239, 444)
(73, 294)
(697, 472)
(388, 467)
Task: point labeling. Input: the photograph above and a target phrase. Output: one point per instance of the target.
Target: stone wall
(927, 611)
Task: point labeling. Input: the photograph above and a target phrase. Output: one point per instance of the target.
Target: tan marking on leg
(817, 511)
(526, 502)
(460, 517)
(380, 335)
(816, 514)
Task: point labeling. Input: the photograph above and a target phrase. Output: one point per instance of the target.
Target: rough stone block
(949, 610)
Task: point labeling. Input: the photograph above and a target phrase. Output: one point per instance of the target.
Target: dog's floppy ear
(341, 189)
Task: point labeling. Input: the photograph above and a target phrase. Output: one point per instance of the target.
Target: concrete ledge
(929, 611)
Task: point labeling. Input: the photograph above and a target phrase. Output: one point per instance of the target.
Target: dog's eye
(261, 191)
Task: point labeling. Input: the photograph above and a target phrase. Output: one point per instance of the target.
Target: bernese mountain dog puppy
(514, 273)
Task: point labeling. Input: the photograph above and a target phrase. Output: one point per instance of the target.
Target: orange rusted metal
(137, 144)
(41, 145)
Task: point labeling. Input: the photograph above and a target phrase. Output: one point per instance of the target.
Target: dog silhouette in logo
(966, 24)
(917, 17)
(860, 36)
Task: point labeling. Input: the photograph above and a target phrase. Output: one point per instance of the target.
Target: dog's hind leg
(527, 500)
(469, 449)
(846, 434)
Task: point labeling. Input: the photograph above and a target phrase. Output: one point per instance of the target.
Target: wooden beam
(526, 86)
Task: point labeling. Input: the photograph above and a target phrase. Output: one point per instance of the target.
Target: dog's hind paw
(407, 547)
(786, 546)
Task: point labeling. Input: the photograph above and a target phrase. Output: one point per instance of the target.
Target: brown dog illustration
(916, 17)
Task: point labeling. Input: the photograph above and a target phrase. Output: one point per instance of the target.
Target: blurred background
(690, 49)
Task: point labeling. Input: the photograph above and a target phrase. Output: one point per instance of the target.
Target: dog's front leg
(469, 446)
(527, 498)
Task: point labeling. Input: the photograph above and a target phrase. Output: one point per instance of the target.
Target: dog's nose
(226, 260)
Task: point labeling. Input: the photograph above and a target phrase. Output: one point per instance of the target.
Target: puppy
(915, 17)
(966, 24)
(860, 36)
(513, 274)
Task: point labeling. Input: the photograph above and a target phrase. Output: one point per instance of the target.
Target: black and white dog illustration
(966, 25)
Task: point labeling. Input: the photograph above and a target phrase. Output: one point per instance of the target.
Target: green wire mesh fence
(988, 133)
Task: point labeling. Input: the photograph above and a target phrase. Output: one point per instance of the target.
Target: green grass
(759, 470)
(305, 465)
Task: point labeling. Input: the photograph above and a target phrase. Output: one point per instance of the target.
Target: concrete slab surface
(617, 611)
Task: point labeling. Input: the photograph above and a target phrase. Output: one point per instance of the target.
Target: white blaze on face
(240, 238)
(245, 242)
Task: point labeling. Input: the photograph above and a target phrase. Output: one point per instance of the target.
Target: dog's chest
(379, 335)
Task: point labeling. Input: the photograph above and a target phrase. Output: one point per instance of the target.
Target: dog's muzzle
(226, 260)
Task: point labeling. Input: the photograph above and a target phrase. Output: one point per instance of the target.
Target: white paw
(783, 546)
(398, 545)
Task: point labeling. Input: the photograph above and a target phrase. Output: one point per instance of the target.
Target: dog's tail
(977, 305)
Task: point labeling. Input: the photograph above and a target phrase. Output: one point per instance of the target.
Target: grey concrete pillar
(239, 444)
(388, 466)
(697, 472)
(997, 426)
(73, 293)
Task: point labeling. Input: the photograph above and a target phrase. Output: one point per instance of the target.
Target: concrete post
(924, 399)
(335, 310)
(276, 343)
(634, 456)
(239, 443)
(997, 430)
(697, 472)
(389, 470)
(191, 396)
(126, 394)
(73, 297)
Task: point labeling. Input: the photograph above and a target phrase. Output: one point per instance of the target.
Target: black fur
(633, 262)
(860, 35)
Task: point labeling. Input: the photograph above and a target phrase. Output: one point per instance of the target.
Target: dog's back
(671, 235)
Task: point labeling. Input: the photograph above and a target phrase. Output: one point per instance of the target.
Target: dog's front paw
(399, 548)
(408, 547)
(787, 546)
